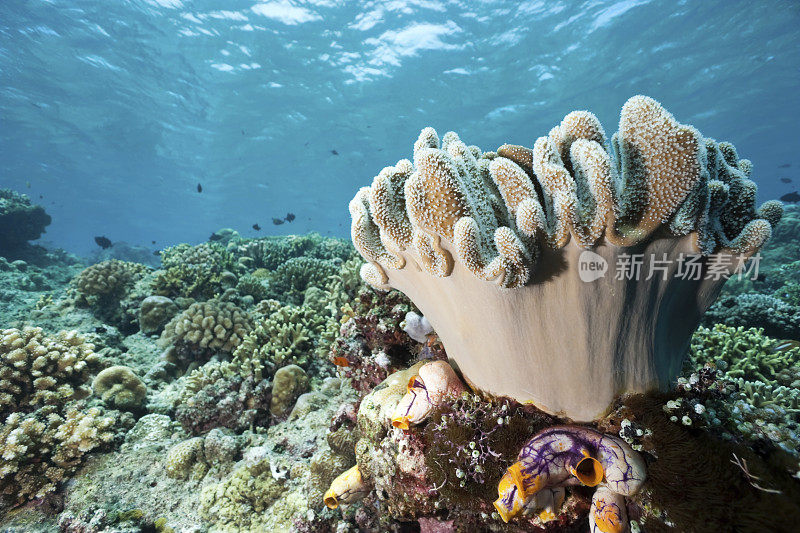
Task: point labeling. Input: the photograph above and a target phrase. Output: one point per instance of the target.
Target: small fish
(215, 237)
(102, 242)
(289, 217)
(341, 361)
(792, 197)
(277, 221)
(40, 197)
(785, 165)
(306, 144)
(334, 152)
(199, 188)
(256, 227)
(28, 183)
(152, 242)
(786, 180)
(785, 346)
(157, 253)
(242, 132)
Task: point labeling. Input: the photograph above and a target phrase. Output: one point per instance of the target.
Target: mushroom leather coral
(488, 246)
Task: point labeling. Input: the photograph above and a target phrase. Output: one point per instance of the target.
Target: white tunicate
(417, 327)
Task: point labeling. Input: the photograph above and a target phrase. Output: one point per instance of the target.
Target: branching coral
(441, 228)
(108, 280)
(42, 439)
(42, 449)
(37, 370)
(205, 329)
(287, 335)
(200, 271)
(292, 278)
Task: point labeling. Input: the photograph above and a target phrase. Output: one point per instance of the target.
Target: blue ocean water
(113, 111)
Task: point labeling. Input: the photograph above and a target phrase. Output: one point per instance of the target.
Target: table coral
(491, 247)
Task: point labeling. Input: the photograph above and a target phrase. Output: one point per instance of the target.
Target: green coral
(271, 252)
(292, 278)
(239, 502)
(201, 271)
(766, 372)
(287, 335)
(746, 355)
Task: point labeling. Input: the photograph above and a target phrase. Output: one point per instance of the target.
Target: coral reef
(204, 329)
(44, 448)
(777, 318)
(238, 502)
(223, 395)
(119, 387)
(287, 335)
(272, 252)
(372, 342)
(154, 313)
(291, 279)
(441, 228)
(37, 370)
(20, 221)
(289, 383)
(201, 271)
(107, 281)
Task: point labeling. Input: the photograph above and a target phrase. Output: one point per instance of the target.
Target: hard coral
(38, 370)
(108, 280)
(287, 335)
(201, 271)
(292, 278)
(443, 227)
(120, 388)
(205, 329)
(223, 395)
(41, 449)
